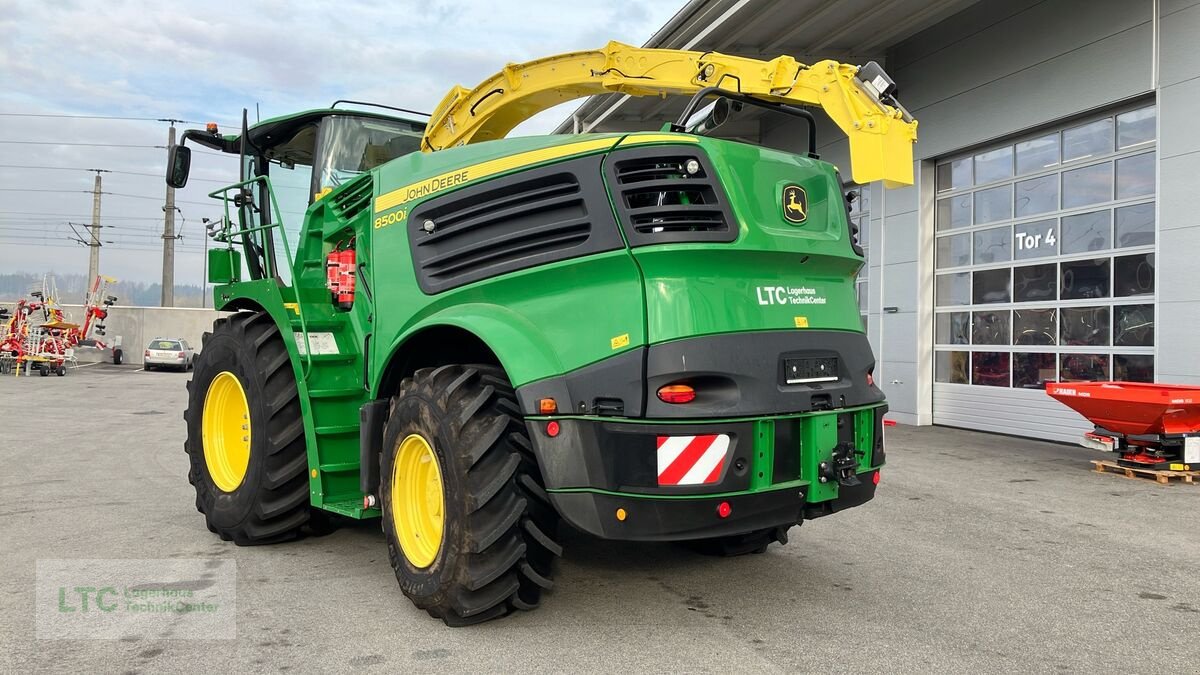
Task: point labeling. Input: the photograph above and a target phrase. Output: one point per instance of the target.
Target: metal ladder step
(318, 324)
(333, 358)
(343, 467)
(348, 392)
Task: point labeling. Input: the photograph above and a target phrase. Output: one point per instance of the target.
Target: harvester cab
(651, 336)
(286, 164)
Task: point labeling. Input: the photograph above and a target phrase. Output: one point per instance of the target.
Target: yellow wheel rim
(418, 501)
(225, 430)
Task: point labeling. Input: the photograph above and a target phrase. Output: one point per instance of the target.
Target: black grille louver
(353, 200)
(660, 201)
(511, 223)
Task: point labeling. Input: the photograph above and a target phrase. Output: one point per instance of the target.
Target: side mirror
(179, 163)
(711, 116)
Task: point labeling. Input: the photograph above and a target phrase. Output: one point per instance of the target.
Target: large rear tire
(470, 532)
(246, 433)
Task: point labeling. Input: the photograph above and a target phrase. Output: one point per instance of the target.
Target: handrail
(227, 234)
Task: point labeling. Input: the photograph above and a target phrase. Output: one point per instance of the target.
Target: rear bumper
(607, 476)
(735, 375)
(678, 519)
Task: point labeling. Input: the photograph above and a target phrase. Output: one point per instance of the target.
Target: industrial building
(1051, 230)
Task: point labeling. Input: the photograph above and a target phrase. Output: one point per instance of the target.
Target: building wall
(1178, 197)
(136, 326)
(1002, 68)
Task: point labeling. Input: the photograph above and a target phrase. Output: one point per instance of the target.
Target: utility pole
(168, 236)
(94, 240)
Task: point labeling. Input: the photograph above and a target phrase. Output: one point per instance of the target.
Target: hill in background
(72, 288)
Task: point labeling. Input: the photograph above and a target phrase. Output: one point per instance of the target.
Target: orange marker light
(547, 406)
(676, 393)
(211, 127)
(621, 515)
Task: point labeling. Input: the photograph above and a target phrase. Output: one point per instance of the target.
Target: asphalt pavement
(980, 553)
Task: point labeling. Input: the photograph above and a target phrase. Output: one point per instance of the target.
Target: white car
(169, 353)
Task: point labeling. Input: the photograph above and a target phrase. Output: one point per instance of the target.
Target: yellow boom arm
(881, 135)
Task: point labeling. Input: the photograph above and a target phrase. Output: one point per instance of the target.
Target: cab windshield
(351, 145)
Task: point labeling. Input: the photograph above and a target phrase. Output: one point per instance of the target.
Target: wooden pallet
(1163, 477)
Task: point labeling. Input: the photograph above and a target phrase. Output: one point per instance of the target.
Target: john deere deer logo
(795, 204)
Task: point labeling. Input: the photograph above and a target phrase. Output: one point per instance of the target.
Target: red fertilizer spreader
(1151, 426)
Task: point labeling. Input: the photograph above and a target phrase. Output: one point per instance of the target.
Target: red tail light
(676, 393)
(147, 353)
(182, 355)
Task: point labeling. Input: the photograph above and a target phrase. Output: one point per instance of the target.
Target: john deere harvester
(647, 336)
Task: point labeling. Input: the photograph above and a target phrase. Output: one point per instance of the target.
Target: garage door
(1044, 271)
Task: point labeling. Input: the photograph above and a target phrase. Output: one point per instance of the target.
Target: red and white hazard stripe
(691, 460)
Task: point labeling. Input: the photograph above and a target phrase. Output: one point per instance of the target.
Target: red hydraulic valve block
(339, 277)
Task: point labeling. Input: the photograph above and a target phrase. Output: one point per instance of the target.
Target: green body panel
(224, 265)
(539, 322)
(552, 319)
(700, 289)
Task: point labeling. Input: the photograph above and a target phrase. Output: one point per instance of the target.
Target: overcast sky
(203, 61)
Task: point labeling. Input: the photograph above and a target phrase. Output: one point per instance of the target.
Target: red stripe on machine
(691, 460)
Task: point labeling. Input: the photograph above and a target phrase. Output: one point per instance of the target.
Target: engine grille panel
(511, 223)
(660, 201)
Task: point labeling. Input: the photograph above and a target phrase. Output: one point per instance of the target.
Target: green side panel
(864, 438)
(764, 455)
(224, 265)
(777, 274)
(541, 322)
(415, 167)
(817, 438)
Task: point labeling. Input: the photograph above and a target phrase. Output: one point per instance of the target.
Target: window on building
(1044, 257)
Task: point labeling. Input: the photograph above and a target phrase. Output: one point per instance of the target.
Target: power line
(137, 173)
(91, 145)
(127, 245)
(213, 203)
(93, 117)
(46, 227)
(42, 214)
(116, 145)
(226, 123)
(48, 240)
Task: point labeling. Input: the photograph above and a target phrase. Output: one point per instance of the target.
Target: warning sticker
(1191, 449)
(321, 343)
